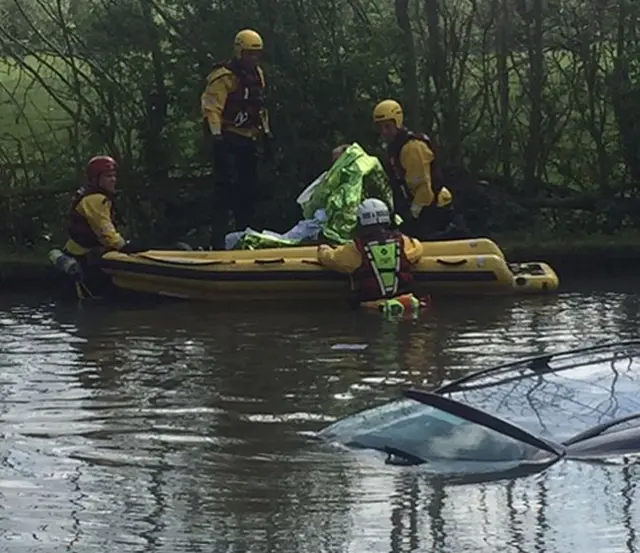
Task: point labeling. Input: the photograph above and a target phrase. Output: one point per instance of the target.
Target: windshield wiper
(599, 429)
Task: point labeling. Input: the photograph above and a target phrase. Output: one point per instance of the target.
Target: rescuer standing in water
(233, 104)
(380, 261)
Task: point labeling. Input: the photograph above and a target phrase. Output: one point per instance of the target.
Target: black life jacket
(78, 227)
(244, 104)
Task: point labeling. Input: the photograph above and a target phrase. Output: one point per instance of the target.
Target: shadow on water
(180, 427)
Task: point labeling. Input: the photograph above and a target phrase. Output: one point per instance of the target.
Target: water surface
(181, 428)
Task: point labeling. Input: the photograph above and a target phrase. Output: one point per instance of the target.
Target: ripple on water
(183, 429)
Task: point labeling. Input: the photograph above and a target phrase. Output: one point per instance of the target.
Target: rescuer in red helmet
(91, 219)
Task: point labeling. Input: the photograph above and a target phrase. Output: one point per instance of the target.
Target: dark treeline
(539, 99)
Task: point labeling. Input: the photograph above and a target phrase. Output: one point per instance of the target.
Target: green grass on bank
(32, 115)
(619, 245)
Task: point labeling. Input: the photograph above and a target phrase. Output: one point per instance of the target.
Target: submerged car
(513, 419)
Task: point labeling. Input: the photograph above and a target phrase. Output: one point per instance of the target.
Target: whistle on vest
(241, 119)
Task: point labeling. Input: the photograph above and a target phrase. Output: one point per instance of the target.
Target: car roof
(543, 364)
(560, 394)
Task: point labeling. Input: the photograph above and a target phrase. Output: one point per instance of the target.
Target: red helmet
(98, 165)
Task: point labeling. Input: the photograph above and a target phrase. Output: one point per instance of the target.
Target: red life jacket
(398, 174)
(78, 228)
(243, 105)
(367, 280)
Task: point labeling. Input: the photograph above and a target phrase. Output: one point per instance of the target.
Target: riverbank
(578, 258)
(21, 271)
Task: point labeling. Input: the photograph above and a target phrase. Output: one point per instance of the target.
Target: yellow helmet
(388, 110)
(247, 39)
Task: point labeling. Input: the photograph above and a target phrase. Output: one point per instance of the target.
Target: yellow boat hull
(452, 267)
(472, 246)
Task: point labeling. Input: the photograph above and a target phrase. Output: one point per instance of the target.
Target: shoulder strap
(395, 147)
(423, 137)
(215, 72)
(261, 76)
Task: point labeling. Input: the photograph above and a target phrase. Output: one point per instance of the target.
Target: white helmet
(373, 212)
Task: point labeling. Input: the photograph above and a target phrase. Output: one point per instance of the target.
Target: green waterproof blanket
(353, 177)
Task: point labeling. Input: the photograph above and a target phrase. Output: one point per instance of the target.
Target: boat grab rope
(196, 263)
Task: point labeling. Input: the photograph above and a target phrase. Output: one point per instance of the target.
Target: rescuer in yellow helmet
(233, 105)
(421, 197)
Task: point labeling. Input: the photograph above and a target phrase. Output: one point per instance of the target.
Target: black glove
(133, 247)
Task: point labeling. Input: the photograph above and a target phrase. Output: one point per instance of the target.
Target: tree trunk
(502, 51)
(409, 71)
(536, 84)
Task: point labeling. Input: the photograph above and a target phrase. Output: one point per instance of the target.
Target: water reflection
(180, 428)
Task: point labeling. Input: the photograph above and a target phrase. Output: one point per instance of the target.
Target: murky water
(181, 429)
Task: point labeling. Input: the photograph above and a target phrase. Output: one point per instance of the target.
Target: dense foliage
(539, 98)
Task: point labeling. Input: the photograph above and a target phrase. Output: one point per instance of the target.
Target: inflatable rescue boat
(476, 266)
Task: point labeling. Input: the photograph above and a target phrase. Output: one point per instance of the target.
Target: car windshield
(430, 434)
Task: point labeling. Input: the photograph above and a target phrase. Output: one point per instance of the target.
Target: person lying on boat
(380, 261)
(91, 220)
(426, 205)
